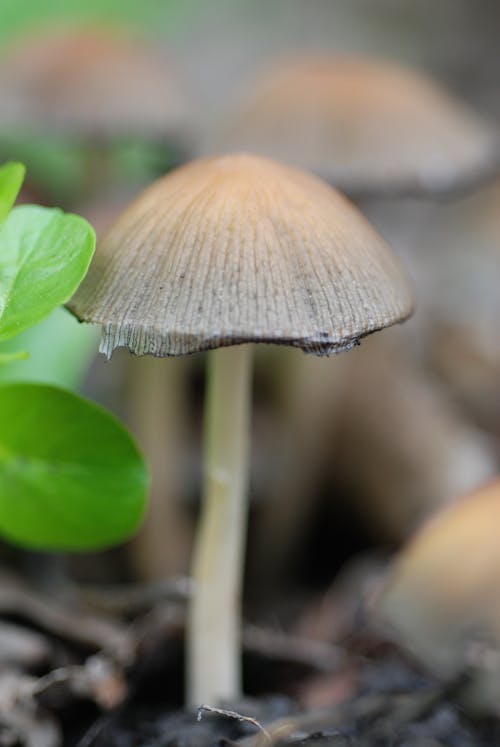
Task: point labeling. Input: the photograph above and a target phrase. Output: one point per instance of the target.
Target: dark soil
(368, 720)
(330, 678)
(392, 705)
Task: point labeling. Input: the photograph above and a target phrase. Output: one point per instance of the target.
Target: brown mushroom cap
(442, 594)
(90, 82)
(364, 125)
(240, 249)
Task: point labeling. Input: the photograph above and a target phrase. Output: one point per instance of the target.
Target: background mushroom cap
(241, 249)
(89, 81)
(442, 595)
(365, 125)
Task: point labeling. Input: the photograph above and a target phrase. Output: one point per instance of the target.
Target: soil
(393, 706)
(376, 696)
(329, 679)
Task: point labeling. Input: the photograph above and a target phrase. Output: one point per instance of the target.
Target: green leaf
(71, 478)
(60, 351)
(11, 179)
(44, 255)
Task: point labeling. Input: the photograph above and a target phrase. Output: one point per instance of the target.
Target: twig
(134, 598)
(70, 624)
(315, 721)
(234, 715)
(93, 732)
(324, 657)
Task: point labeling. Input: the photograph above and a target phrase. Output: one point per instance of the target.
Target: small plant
(71, 477)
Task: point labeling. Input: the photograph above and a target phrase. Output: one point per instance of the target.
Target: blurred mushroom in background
(308, 394)
(453, 252)
(93, 88)
(157, 409)
(402, 449)
(95, 82)
(373, 448)
(464, 302)
(366, 126)
(380, 131)
(441, 596)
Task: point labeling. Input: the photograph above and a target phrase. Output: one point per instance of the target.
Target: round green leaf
(44, 255)
(11, 179)
(71, 478)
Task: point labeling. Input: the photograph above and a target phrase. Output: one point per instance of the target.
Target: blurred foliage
(55, 165)
(60, 350)
(58, 167)
(142, 160)
(150, 15)
(11, 178)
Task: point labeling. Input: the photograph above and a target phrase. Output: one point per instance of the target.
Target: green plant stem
(213, 632)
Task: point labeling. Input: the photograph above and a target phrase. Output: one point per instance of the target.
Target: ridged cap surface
(364, 125)
(240, 249)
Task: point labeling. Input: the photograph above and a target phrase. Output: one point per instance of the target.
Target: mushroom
(372, 128)
(90, 81)
(365, 125)
(403, 447)
(90, 85)
(441, 595)
(464, 302)
(222, 252)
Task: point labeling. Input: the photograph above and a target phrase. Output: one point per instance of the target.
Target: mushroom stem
(213, 630)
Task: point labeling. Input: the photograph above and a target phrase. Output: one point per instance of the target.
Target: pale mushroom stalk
(213, 645)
